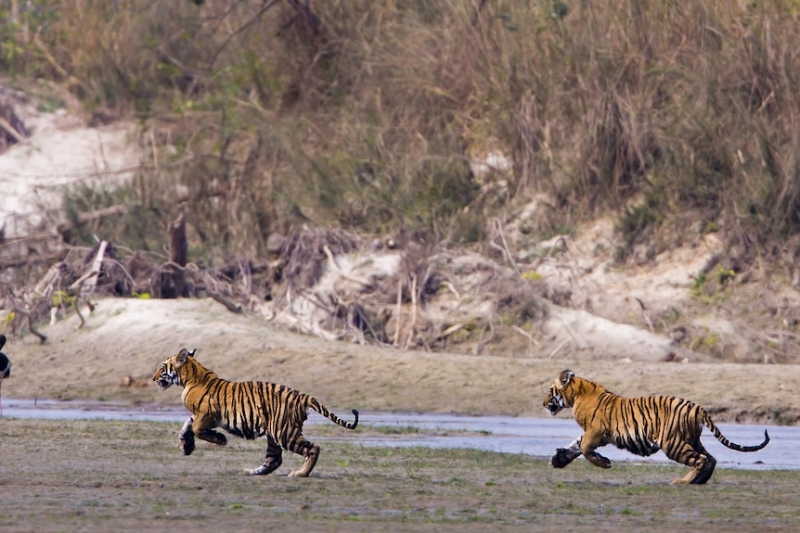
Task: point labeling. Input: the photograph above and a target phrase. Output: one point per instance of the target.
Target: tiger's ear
(182, 357)
(192, 352)
(2, 341)
(565, 377)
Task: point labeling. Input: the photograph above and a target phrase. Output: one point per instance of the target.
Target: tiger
(641, 425)
(5, 367)
(249, 410)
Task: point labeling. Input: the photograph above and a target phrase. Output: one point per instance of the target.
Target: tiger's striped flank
(248, 409)
(641, 425)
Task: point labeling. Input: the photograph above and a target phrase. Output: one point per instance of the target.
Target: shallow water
(525, 435)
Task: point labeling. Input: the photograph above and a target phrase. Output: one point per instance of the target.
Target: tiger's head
(167, 373)
(557, 397)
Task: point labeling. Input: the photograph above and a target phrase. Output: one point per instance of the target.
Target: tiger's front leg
(565, 456)
(202, 430)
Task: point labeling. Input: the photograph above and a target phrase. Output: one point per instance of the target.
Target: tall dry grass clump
(365, 113)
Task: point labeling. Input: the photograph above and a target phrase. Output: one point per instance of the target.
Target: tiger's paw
(187, 445)
(598, 460)
(219, 438)
(297, 473)
(560, 459)
(563, 457)
(269, 466)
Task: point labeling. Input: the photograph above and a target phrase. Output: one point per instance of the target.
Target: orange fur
(641, 425)
(249, 409)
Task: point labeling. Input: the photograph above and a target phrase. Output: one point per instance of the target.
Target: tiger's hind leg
(310, 451)
(271, 463)
(187, 437)
(695, 456)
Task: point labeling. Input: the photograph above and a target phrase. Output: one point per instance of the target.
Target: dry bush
(364, 114)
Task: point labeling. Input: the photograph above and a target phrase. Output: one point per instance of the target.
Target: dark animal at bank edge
(5, 368)
(249, 409)
(640, 425)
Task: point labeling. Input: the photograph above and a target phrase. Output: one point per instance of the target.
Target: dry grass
(364, 114)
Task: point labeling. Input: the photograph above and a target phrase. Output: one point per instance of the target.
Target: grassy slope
(362, 114)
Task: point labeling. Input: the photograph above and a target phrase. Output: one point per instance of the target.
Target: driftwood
(525, 334)
(91, 216)
(17, 262)
(12, 129)
(91, 276)
(399, 310)
(77, 289)
(413, 323)
(229, 305)
(387, 309)
(29, 319)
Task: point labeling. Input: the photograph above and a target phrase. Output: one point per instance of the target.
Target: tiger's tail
(321, 409)
(732, 445)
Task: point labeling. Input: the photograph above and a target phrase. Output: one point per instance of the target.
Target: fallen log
(91, 216)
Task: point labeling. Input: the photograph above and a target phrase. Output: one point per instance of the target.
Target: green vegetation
(364, 114)
(531, 275)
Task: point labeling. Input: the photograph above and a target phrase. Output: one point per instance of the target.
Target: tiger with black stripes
(641, 425)
(248, 409)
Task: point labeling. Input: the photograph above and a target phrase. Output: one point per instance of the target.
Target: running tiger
(247, 409)
(640, 425)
